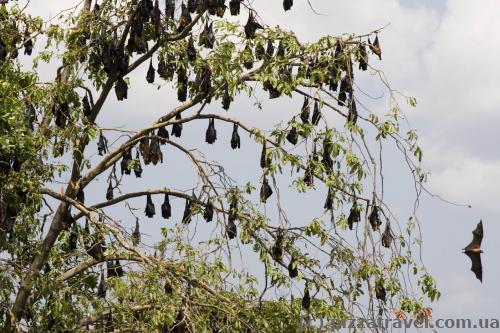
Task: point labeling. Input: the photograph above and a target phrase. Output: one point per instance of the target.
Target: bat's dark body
(473, 251)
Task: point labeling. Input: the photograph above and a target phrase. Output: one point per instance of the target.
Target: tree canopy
(71, 262)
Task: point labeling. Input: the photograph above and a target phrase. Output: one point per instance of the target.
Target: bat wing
(477, 266)
(477, 238)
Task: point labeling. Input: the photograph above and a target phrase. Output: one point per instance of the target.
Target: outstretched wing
(477, 266)
(477, 238)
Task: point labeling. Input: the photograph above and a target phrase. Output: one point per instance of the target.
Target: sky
(445, 54)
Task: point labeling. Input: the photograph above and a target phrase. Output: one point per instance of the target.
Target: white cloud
(458, 109)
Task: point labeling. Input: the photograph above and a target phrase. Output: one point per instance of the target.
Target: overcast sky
(444, 53)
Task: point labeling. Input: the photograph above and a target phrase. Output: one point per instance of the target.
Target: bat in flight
(473, 251)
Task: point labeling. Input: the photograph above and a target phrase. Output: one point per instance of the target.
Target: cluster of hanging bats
(106, 54)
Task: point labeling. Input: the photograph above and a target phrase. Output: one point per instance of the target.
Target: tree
(77, 267)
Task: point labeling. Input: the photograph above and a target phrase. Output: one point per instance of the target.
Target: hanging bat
(201, 5)
(208, 214)
(305, 111)
(309, 174)
(374, 218)
(292, 136)
(182, 85)
(150, 207)
(273, 91)
(86, 106)
(473, 251)
(380, 292)
(252, 26)
(269, 49)
(102, 144)
(234, 7)
(354, 215)
(375, 47)
(352, 116)
(206, 83)
(226, 99)
(306, 299)
(345, 88)
(28, 43)
(333, 82)
(191, 50)
(220, 9)
(109, 192)
(122, 62)
(121, 89)
(186, 217)
(97, 248)
(211, 133)
(191, 5)
(166, 210)
(137, 165)
(329, 200)
(287, 4)
(285, 74)
(86, 233)
(162, 69)
(61, 113)
(73, 237)
(277, 250)
(155, 153)
(387, 236)
(265, 191)
(207, 37)
(177, 128)
(169, 9)
(316, 114)
(293, 271)
(150, 75)
(103, 287)
(265, 160)
(136, 235)
(111, 269)
(185, 18)
(171, 67)
(125, 163)
(163, 133)
(156, 19)
(326, 156)
(119, 268)
(231, 229)
(235, 138)
(363, 57)
(80, 196)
